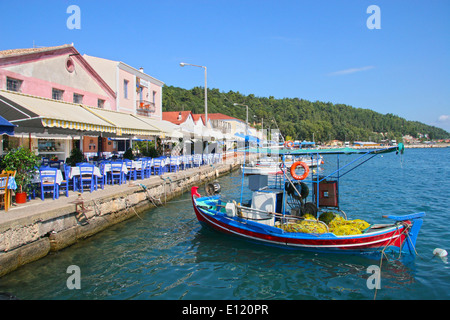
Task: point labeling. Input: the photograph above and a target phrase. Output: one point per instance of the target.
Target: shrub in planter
(25, 163)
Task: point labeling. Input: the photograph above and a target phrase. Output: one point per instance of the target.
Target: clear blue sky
(315, 50)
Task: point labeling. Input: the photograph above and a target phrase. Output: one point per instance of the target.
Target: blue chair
(148, 167)
(44, 161)
(102, 180)
(140, 171)
(116, 172)
(131, 174)
(174, 164)
(197, 160)
(158, 166)
(54, 164)
(87, 177)
(65, 184)
(48, 182)
(165, 164)
(187, 162)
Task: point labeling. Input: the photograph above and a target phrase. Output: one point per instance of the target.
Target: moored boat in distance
(284, 214)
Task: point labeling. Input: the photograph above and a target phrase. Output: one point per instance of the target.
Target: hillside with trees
(299, 118)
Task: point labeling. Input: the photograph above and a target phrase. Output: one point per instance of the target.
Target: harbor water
(165, 253)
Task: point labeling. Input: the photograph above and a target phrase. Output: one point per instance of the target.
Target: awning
(126, 124)
(167, 129)
(34, 114)
(6, 127)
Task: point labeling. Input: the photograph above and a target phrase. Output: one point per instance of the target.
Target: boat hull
(388, 239)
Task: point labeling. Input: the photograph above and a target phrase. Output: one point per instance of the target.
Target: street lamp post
(182, 64)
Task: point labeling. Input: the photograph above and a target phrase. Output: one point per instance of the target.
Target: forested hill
(300, 118)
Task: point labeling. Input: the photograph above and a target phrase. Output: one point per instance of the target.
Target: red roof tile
(197, 117)
(176, 117)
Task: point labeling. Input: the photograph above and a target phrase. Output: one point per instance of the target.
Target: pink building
(58, 73)
(57, 99)
(136, 92)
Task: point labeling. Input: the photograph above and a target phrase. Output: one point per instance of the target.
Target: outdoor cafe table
(59, 177)
(108, 168)
(135, 164)
(75, 171)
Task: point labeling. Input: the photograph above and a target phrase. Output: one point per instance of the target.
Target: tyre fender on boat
(305, 167)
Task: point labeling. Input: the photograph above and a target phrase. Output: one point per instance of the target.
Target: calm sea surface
(165, 254)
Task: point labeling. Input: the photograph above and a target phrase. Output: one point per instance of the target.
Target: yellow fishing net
(336, 224)
(341, 227)
(305, 226)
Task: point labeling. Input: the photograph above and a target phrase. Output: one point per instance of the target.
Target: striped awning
(53, 123)
(126, 124)
(168, 129)
(33, 114)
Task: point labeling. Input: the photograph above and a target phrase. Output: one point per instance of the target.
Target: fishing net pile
(336, 224)
(305, 226)
(341, 227)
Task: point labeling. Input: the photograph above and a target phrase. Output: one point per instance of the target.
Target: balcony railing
(145, 108)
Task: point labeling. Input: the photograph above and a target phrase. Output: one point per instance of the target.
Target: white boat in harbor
(271, 166)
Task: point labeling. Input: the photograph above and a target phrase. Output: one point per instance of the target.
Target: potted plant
(25, 163)
(76, 156)
(128, 154)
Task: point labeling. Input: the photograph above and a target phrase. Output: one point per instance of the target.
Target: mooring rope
(383, 254)
(128, 206)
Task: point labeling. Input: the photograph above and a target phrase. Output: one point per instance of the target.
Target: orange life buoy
(289, 144)
(305, 167)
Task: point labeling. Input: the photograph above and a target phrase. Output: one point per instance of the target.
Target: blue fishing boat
(283, 213)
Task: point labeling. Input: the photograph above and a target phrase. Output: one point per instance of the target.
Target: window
(13, 84)
(125, 89)
(154, 97)
(77, 98)
(100, 103)
(57, 94)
